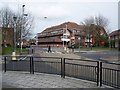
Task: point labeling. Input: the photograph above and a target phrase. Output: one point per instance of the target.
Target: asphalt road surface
(98, 55)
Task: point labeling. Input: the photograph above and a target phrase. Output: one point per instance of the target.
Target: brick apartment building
(115, 38)
(66, 34)
(7, 36)
(7, 39)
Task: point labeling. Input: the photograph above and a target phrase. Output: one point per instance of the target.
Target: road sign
(73, 37)
(64, 39)
(66, 34)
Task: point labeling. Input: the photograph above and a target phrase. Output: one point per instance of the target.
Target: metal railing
(50, 65)
(22, 63)
(96, 71)
(110, 74)
(82, 69)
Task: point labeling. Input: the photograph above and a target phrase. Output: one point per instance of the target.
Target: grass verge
(9, 50)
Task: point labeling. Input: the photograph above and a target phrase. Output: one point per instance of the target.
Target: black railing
(22, 63)
(82, 69)
(96, 71)
(50, 65)
(109, 74)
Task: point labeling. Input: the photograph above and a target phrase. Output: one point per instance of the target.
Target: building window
(56, 31)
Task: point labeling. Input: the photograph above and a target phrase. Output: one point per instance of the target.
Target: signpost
(65, 38)
(66, 33)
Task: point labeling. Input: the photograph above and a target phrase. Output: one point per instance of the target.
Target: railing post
(64, 68)
(5, 63)
(32, 65)
(118, 77)
(100, 73)
(61, 68)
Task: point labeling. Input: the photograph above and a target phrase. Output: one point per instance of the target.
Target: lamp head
(45, 17)
(25, 14)
(14, 18)
(23, 5)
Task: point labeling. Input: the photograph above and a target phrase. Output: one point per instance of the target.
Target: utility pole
(89, 36)
(66, 35)
(118, 74)
(14, 18)
(22, 28)
(79, 43)
(119, 40)
(63, 37)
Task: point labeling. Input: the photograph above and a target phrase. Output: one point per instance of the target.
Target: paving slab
(18, 79)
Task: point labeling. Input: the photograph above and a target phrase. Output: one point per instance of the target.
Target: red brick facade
(114, 38)
(76, 36)
(53, 35)
(7, 36)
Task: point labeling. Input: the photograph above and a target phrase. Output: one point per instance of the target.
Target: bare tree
(94, 26)
(5, 21)
(27, 25)
(23, 24)
(88, 21)
(6, 17)
(89, 26)
(101, 21)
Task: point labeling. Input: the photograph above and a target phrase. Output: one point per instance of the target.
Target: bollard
(67, 50)
(13, 56)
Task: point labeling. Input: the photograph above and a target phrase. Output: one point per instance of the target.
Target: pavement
(17, 79)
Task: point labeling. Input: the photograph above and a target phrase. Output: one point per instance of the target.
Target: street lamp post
(88, 37)
(23, 8)
(79, 43)
(109, 42)
(37, 40)
(14, 18)
(119, 40)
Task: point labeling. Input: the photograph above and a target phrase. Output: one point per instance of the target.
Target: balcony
(50, 40)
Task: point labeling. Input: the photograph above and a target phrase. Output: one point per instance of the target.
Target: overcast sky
(61, 11)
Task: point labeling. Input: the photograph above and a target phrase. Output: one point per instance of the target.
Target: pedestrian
(49, 49)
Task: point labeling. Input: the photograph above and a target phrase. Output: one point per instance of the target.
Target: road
(91, 55)
(98, 55)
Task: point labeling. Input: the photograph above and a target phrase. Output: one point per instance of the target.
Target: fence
(110, 74)
(96, 71)
(82, 69)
